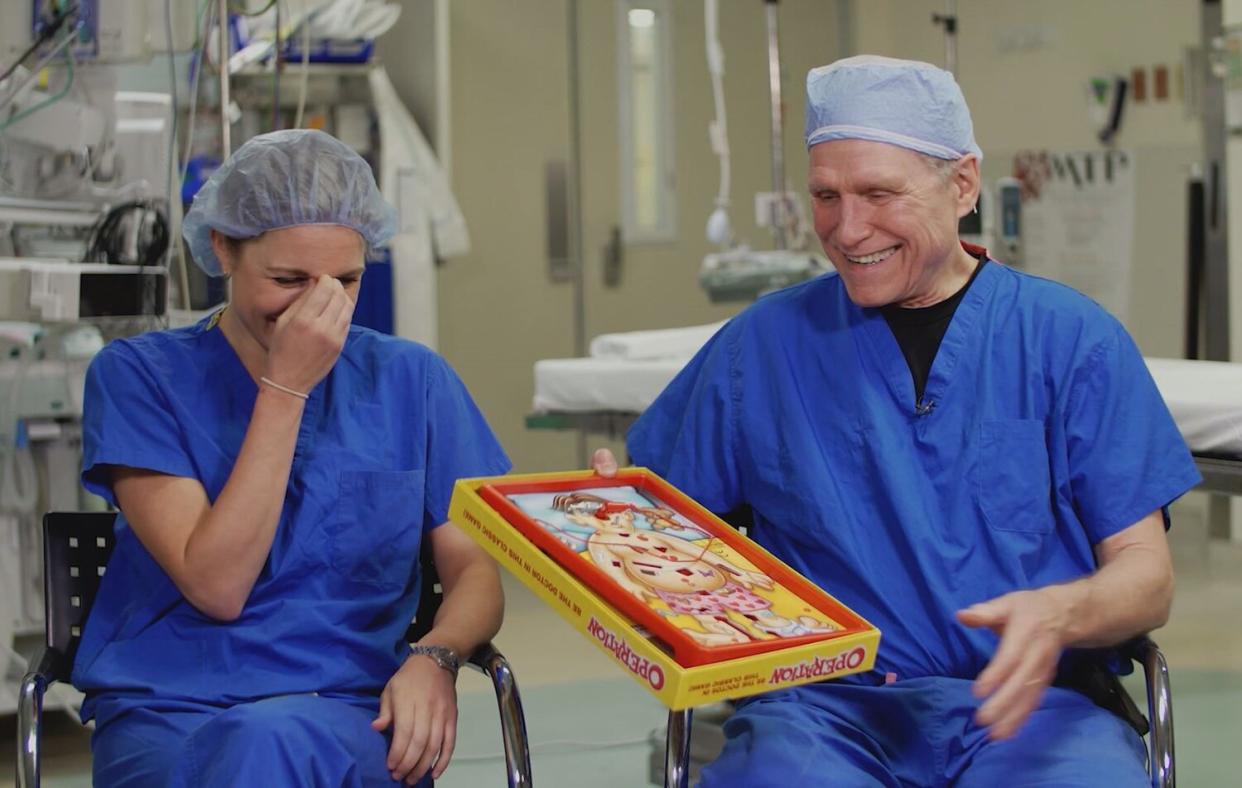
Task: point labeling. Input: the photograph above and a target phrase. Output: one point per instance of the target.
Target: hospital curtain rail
(76, 548)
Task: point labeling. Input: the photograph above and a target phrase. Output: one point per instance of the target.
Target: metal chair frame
(76, 548)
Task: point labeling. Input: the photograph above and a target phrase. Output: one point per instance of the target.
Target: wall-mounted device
(997, 222)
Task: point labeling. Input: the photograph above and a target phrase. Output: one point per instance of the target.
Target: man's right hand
(309, 335)
(604, 463)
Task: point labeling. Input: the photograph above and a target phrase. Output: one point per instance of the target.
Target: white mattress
(1205, 397)
(580, 385)
(666, 343)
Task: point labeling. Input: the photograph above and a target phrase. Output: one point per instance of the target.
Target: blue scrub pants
(920, 733)
(291, 740)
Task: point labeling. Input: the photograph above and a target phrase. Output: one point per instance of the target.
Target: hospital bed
(605, 395)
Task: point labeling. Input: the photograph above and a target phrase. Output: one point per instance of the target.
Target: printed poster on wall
(1078, 221)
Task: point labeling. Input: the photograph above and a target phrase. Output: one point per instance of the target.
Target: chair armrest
(30, 715)
(1159, 709)
(490, 662)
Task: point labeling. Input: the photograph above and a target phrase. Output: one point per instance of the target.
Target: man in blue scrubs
(974, 459)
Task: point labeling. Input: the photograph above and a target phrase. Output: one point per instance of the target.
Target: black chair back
(76, 548)
(430, 597)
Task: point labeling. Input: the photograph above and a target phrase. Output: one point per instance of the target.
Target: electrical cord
(112, 236)
(108, 240)
(305, 77)
(198, 57)
(277, 62)
(13, 91)
(13, 94)
(45, 35)
(172, 90)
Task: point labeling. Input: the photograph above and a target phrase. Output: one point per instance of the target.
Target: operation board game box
(687, 605)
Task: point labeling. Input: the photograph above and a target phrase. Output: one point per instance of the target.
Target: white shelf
(59, 265)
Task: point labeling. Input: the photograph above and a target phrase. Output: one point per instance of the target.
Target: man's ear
(966, 183)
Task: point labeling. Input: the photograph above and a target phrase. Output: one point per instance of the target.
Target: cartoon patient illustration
(689, 578)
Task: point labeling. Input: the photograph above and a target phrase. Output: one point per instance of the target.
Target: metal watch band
(444, 656)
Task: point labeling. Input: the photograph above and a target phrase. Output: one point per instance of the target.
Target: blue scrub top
(383, 438)
(1041, 434)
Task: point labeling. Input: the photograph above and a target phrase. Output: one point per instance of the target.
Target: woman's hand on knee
(420, 705)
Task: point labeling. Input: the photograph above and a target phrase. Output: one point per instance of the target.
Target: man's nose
(853, 223)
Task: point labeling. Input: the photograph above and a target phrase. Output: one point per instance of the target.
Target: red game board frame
(686, 651)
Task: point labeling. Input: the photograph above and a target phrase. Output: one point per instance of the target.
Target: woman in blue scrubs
(974, 459)
(276, 470)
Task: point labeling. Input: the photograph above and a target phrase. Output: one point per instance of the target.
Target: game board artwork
(696, 581)
(682, 602)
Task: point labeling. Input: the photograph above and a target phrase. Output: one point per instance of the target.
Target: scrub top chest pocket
(375, 528)
(1012, 479)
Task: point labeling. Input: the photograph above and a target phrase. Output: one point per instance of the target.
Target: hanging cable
(49, 30)
(46, 102)
(277, 61)
(198, 56)
(143, 222)
(172, 89)
(719, 230)
(11, 95)
(304, 80)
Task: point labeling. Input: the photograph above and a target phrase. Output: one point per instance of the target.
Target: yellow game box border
(675, 686)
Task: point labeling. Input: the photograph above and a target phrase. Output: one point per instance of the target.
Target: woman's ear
(226, 251)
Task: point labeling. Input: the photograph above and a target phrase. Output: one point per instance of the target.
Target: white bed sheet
(1205, 397)
(583, 385)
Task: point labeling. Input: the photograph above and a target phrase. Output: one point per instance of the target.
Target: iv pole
(948, 20)
(226, 144)
(778, 209)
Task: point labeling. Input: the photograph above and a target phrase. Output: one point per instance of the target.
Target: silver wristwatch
(444, 656)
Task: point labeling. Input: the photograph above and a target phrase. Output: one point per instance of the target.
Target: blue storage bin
(329, 50)
(375, 308)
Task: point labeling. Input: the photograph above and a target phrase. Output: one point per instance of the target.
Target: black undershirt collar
(919, 331)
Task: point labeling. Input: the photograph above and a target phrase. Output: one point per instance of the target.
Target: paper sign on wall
(1078, 221)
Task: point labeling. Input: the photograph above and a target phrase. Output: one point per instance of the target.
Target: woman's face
(270, 272)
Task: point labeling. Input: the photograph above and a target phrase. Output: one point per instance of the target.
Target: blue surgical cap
(284, 179)
(901, 102)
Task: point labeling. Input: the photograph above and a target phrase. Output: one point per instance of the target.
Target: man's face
(269, 272)
(888, 221)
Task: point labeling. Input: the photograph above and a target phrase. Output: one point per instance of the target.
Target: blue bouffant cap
(901, 102)
(284, 179)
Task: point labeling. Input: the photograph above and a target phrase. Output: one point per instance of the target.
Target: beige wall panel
(660, 280)
(498, 311)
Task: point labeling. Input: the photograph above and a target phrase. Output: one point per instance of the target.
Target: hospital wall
(511, 115)
(1024, 68)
